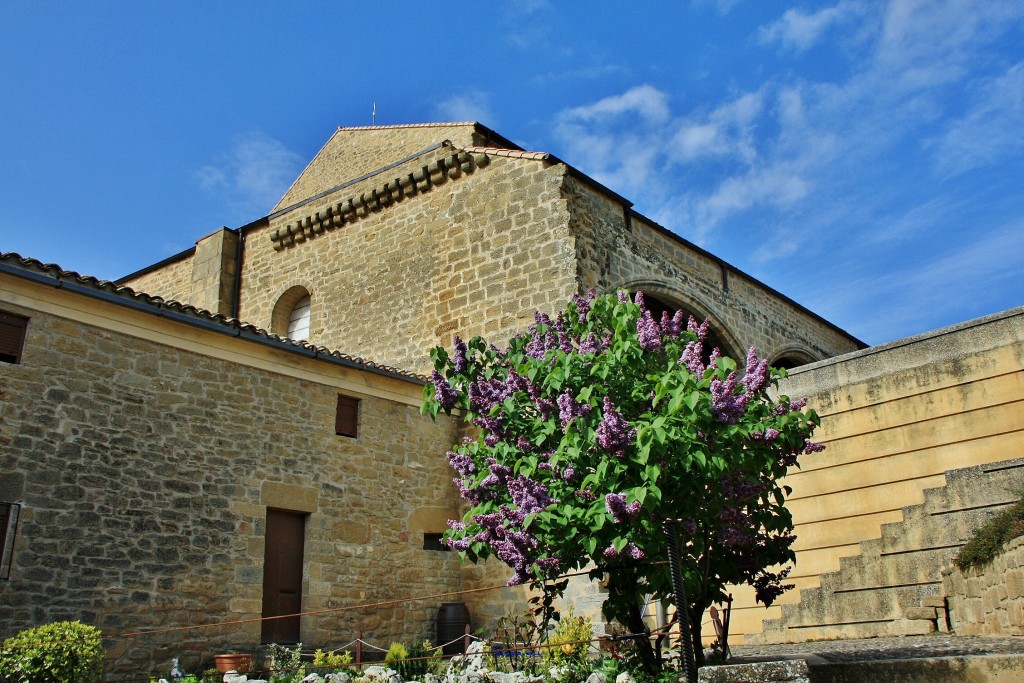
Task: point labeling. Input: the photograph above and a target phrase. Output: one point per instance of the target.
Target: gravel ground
(907, 647)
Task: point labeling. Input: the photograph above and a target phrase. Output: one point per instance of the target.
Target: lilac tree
(601, 424)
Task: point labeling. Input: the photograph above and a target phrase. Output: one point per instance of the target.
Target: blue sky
(865, 158)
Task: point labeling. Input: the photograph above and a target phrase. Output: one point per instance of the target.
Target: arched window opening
(298, 320)
(792, 359)
(292, 314)
(713, 340)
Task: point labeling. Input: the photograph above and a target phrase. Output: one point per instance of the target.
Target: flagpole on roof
(374, 115)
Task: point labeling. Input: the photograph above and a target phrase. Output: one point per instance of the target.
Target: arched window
(713, 340)
(298, 320)
(791, 358)
(292, 314)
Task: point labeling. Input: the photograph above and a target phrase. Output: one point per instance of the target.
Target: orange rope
(385, 603)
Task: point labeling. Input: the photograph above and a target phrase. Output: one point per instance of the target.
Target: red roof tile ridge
(441, 124)
(512, 153)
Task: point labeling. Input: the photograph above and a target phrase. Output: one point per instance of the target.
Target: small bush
(332, 661)
(62, 652)
(988, 541)
(569, 644)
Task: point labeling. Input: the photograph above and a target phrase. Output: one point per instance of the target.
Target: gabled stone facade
(405, 236)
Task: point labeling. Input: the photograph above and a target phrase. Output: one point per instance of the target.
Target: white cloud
(728, 130)
(644, 100)
(798, 30)
(252, 175)
(473, 105)
(992, 129)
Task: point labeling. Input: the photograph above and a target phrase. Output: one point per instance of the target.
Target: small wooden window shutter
(346, 420)
(12, 336)
(9, 513)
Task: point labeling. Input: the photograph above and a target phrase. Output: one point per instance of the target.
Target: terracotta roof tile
(50, 273)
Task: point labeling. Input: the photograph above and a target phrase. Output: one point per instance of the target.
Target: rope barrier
(350, 608)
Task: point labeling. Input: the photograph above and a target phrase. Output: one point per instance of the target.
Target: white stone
(597, 677)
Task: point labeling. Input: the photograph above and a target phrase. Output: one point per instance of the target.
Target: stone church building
(233, 433)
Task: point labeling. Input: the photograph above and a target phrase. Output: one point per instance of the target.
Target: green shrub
(988, 541)
(412, 663)
(62, 652)
(569, 644)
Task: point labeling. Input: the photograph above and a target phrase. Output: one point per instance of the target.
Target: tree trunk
(644, 650)
(698, 648)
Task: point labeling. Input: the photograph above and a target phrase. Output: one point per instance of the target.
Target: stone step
(844, 630)
(896, 576)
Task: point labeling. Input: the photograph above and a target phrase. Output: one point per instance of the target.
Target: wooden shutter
(346, 420)
(8, 522)
(12, 336)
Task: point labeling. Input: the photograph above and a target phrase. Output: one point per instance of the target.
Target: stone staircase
(892, 587)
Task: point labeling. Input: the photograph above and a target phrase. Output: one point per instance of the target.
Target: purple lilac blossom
(460, 359)
(614, 433)
(726, 405)
(757, 375)
(568, 474)
(499, 475)
(648, 332)
(529, 496)
(549, 566)
(569, 408)
(623, 296)
(461, 463)
(443, 391)
(630, 551)
(691, 357)
(583, 304)
(769, 435)
(615, 504)
(591, 344)
(672, 326)
(812, 447)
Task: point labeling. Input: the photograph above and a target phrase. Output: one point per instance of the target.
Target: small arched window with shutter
(298, 320)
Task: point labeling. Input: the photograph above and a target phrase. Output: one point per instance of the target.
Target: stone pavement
(869, 649)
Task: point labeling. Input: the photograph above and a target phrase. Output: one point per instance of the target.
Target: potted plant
(239, 662)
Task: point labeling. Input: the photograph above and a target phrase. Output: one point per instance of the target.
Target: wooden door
(282, 575)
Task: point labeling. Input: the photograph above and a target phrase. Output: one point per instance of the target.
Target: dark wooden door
(282, 575)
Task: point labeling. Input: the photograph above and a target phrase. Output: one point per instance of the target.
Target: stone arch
(668, 296)
(287, 304)
(791, 356)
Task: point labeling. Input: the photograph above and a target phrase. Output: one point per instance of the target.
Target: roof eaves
(121, 295)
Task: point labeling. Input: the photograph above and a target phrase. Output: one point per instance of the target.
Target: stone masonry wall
(988, 600)
(171, 282)
(612, 255)
(351, 153)
(474, 254)
(145, 473)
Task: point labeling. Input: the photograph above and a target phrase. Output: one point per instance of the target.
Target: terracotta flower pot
(239, 663)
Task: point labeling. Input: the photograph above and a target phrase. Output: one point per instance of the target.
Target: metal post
(679, 598)
(465, 641)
